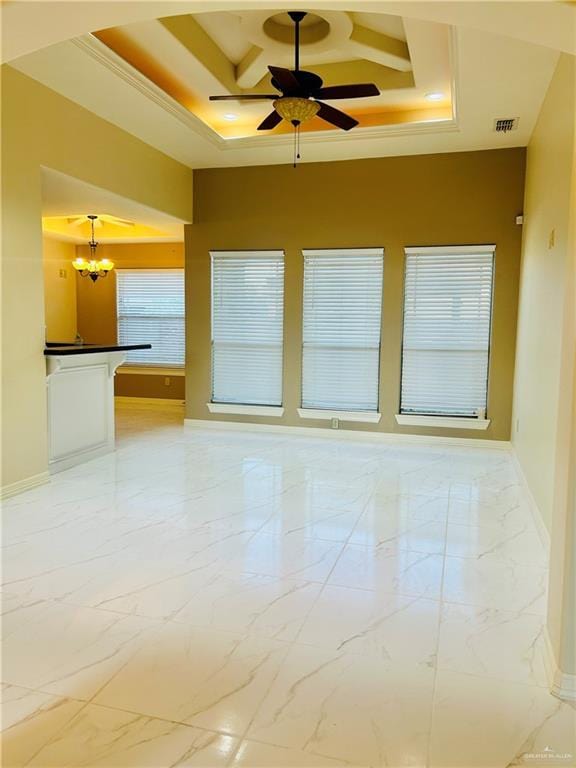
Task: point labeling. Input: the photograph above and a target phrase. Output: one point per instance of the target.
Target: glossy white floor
(224, 598)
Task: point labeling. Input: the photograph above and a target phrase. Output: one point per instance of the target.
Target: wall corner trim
(562, 684)
(12, 489)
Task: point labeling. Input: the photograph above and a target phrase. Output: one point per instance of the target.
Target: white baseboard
(562, 684)
(148, 402)
(543, 531)
(24, 485)
(80, 457)
(347, 434)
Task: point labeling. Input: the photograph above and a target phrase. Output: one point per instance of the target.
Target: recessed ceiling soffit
(192, 56)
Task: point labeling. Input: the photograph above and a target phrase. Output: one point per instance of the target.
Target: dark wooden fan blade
(245, 97)
(270, 122)
(357, 91)
(286, 80)
(336, 117)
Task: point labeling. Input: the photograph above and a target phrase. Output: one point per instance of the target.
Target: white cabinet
(80, 406)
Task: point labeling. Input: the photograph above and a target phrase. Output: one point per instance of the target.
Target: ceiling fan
(301, 93)
(98, 221)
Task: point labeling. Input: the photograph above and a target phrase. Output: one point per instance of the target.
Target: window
(447, 312)
(150, 309)
(341, 335)
(247, 327)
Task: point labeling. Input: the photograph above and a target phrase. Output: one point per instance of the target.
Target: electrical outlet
(335, 423)
(551, 239)
(167, 381)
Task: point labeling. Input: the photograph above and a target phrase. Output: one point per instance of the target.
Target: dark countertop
(87, 349)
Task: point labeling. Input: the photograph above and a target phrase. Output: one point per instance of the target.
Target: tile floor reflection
(213, 598)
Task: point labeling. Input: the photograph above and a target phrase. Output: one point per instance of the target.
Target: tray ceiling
(153, 76)
(190, 57)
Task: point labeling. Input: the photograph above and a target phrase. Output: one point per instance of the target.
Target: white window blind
(341, 335)
(150, 309)
(447, 314)
(247, 327)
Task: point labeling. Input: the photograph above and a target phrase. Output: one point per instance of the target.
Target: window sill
(371, 417)
(441, 422)
(246, 410)
(150, 370)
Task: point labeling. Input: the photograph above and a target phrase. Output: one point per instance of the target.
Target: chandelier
(92, 267)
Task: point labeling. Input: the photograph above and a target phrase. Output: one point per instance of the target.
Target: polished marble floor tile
(374, 623)
(339, 705)
(373, 529)
(382, 507)
(107, 738)
(493, 582)
(292, 556)
(391, 569)
(328, 524)
(67, 650)
(485, 641)
(481, 722)
(253, 754)
(30, 719)
(208, 598)
(214, 680)
(521, 547)
(510, 513)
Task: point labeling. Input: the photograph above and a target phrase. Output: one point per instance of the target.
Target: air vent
(505, 124)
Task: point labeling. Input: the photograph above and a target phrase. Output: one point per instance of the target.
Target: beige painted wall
(460, 198)
(545, 260)
(97, 319)
(544, 412)
(59, 289)
(74, 141)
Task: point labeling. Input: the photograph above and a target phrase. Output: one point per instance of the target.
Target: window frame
(254, 409)
(151, 367)
(342, 414)
(456, 421)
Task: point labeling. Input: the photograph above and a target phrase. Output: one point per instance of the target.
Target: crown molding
(93, 47)
(90, 45)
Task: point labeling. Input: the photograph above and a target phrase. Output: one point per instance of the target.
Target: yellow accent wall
(460, 198)
(544, 433)
(41, 128)
(59, 289)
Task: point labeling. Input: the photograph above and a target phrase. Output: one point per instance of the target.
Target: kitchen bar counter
(53, 350)
(80, 390)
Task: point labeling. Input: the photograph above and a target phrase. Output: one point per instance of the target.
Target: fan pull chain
(296, 143)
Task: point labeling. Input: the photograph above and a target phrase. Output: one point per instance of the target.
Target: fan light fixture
(296, 109)
(93, 267)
